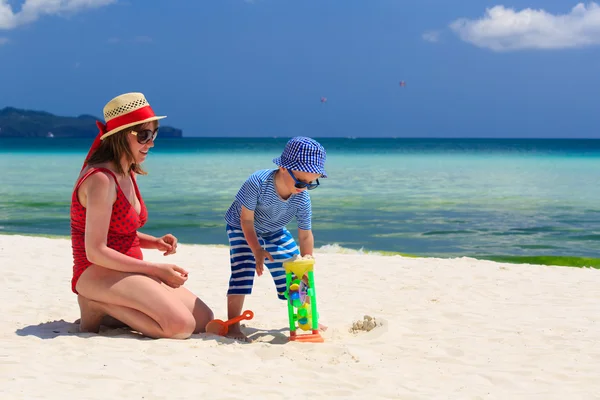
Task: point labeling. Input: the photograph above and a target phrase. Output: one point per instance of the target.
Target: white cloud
(431, 36)
(504, 29)
(34, 9)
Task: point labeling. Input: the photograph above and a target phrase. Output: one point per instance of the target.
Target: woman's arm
(147, 241)
(166, 243)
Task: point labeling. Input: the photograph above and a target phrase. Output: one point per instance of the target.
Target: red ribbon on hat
(96, 143)
(138, 115)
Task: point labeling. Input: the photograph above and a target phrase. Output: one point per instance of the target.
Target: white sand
(453, 329)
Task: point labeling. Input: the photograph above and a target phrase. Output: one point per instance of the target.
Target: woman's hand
(171, 275)
(167, 243)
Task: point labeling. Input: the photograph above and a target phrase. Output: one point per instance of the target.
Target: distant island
(16, 122)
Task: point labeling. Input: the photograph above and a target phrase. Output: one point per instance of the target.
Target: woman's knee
(178, 325)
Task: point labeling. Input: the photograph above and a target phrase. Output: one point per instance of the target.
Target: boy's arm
(248, 197)
(304, 217)
(247, 222)
(307, 241)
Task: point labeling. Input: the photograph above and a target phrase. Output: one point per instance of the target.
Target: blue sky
(473, 68)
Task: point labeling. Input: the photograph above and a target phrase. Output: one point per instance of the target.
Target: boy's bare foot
(91, 315)
(322, 327)
(235, 332)
(238, 335)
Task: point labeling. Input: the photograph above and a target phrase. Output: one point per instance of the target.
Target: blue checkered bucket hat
(303, 154)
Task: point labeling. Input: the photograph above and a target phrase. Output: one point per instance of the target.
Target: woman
(110, 276)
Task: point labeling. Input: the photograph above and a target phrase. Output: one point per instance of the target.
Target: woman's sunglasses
(145, 135)
(302, 185)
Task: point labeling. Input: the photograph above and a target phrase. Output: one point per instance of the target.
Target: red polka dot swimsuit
(122, 232)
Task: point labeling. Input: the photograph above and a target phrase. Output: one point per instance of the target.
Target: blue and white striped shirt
(271, 212)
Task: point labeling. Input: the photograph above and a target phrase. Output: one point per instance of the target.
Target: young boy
(257, 219)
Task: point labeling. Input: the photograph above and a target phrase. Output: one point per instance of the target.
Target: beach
(455, 328)
(451, 203)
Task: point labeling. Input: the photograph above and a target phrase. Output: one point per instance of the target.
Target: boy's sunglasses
(302, 185)
(145, 135)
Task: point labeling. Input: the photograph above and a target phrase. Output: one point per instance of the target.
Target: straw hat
(126, 110)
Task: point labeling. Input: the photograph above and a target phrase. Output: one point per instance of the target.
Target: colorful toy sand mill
(302, 300)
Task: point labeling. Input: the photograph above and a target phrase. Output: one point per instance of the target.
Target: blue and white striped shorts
(280, 244)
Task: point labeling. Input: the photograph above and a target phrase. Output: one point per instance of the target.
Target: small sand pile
(367, 324)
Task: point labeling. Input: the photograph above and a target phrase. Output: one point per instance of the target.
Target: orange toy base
(314, 337)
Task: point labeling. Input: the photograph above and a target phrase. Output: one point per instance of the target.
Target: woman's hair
(113, 148)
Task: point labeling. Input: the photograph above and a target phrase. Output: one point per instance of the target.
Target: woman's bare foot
(91, 315)
(109, 322)
(113, 323)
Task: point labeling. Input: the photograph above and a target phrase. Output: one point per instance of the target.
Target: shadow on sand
(54, 329)
(271, 336)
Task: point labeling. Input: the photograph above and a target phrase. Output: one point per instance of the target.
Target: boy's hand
(260, 256)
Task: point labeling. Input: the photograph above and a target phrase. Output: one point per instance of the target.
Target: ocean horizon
(483, 198)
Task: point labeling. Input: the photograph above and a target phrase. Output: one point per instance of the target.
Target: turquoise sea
(432, 197)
